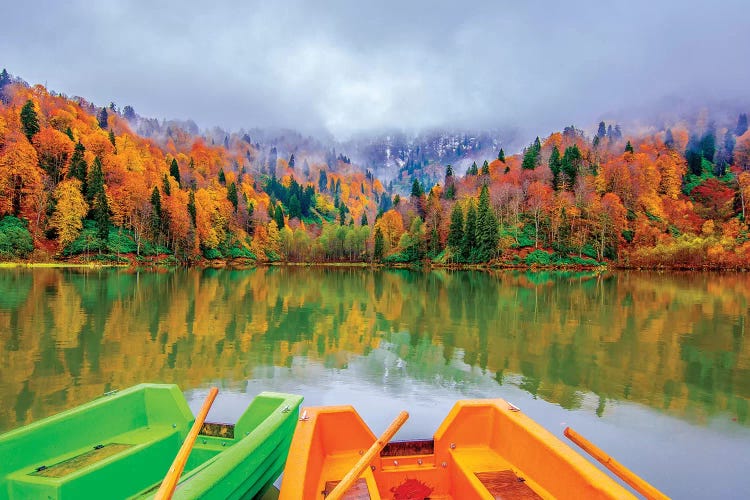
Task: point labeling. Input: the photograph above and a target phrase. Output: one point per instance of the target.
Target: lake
(653, 367)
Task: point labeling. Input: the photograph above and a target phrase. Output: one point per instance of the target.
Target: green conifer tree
(232, 195)
(101, 215)
(78, 168)
(469, 240)
(156, 212)
(487, 228)
(379, 246)
(174, 171)
(456, 230)
(29, 120)
(102, 118)
(555, 166)
(165, 186)
(295, 209)
(94, 180)
(279, 216)
(191, 206)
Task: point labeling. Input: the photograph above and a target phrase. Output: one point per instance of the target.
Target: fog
(348, 68)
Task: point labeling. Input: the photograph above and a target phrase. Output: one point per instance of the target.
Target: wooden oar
(616, 467)
(175, 471)
(351, 477)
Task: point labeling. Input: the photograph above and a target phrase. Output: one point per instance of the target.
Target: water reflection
(673, 342)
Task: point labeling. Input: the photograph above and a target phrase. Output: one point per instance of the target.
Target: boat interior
(483, 449)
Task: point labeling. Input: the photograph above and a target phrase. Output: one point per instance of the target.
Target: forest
(79, 183)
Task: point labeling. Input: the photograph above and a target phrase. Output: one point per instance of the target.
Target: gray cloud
(351, 67)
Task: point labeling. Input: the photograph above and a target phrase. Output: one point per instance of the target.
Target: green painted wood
(152, 420)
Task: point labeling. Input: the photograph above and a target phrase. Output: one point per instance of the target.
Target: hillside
(78, 181)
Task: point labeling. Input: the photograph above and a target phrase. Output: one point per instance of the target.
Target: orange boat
(484, 449)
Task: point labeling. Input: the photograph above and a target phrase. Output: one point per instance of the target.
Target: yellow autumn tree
(71, 208)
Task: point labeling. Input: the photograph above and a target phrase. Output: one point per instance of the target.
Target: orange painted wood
(351, 477)
(616, 467)
(178, 465)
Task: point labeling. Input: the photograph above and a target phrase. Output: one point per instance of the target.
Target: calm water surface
(653, 367)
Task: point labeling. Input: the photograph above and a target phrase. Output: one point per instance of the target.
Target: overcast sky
(363, 66)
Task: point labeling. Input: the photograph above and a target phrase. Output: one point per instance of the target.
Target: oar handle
(616, 467)
(175, 471)
(351, 477)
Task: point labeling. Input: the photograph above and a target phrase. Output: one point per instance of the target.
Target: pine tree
(272, 160)
(708, 144)
(501, 155)
(469, 239)
(232, 195)
(448, 173)
(485, 168)
(4, 79)
(364, 222)
(223, 178)
(165, 186)
(78, 167)
(112, 140)
(416, 189)
(291, 161)
(191, 206)
(741, 125)
(95, 180)
(473, 170)
(100, 211)
(156, 213)
(555, 165)
(69, 133)
(322, 181)
(693, 156)
(29, 120)
(602, 132)
(279, 216)
(531, 155)
(379, 245)
(729, 143)
(456, 230)
(174, 171)
(487, 228)
(571, 162)
(617, 133)
(102, 118)
(629, 148)
(295, 209)
(129, 113)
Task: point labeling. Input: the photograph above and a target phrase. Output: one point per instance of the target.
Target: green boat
(121, 445)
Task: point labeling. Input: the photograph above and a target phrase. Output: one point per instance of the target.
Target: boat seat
(358, 491)
(504, 484)
(103, 466)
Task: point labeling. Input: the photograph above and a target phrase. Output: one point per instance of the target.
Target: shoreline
(423, 265)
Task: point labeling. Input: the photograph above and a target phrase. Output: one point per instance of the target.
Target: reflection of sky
(683, 460)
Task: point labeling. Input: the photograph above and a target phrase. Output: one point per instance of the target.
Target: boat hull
(122, 445)
(484, 449)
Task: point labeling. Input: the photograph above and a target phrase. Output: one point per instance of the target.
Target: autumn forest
(82, 182)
